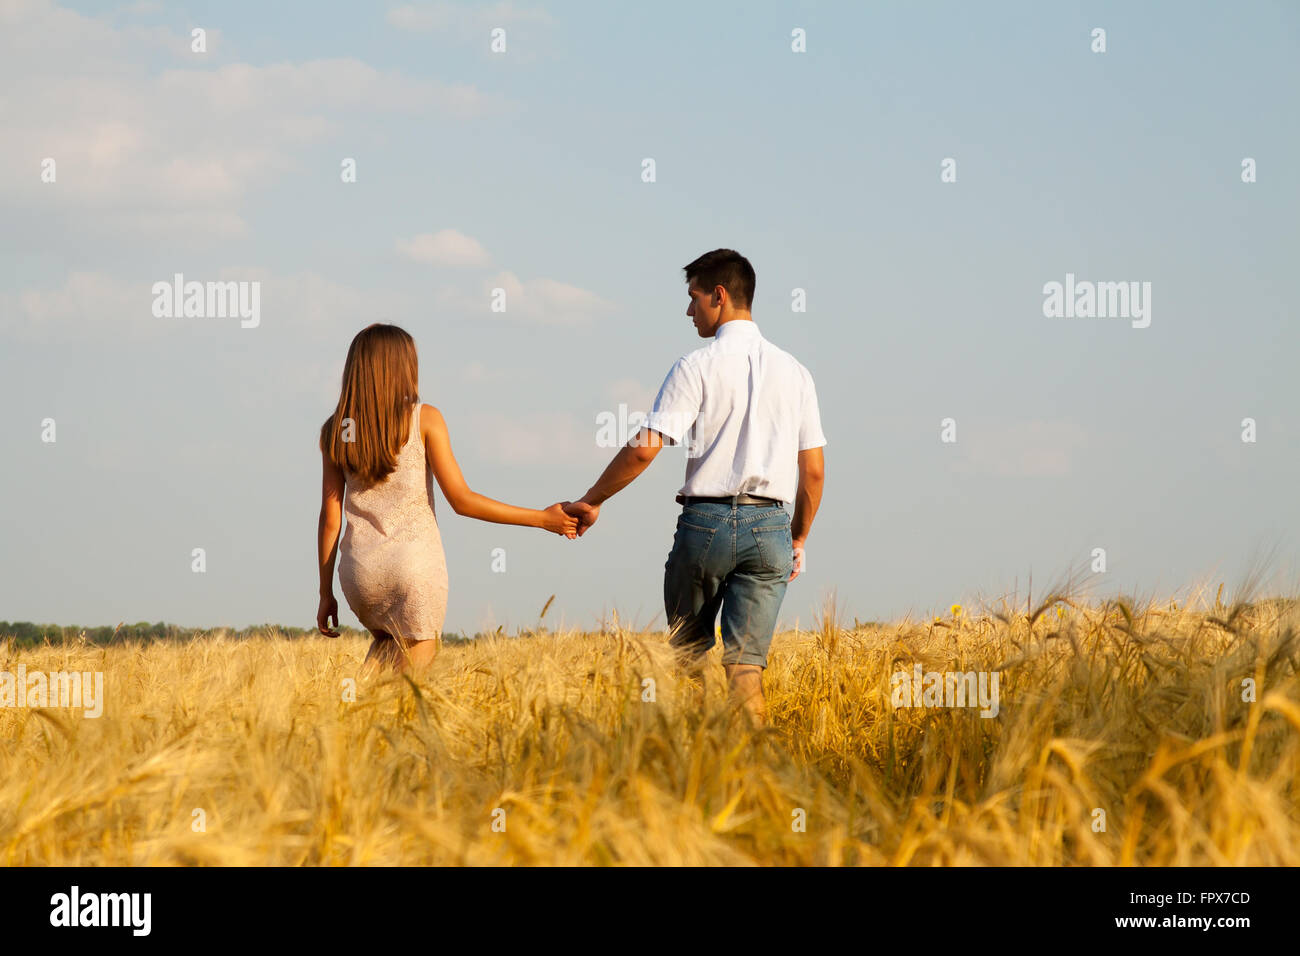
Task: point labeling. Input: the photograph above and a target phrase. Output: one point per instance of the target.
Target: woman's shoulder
(429, 415)
(431, 420)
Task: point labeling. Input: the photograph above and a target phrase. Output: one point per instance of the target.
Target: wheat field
(1122, 738)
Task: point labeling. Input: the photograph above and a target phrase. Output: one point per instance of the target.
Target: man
(748, 413)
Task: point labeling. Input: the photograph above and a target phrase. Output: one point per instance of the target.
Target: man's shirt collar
(736, 327)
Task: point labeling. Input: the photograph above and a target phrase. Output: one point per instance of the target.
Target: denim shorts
(733, 558)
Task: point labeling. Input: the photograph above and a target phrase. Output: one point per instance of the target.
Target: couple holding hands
(747, 410)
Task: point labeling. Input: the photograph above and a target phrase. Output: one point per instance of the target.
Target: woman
(384, 449)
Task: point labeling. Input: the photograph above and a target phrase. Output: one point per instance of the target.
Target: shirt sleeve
(678, 403)
(810, 425)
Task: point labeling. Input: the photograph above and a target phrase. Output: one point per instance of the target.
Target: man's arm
(812, 475)
(674, 411)
(632, 459)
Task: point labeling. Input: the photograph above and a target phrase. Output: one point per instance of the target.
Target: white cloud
(447, 247)
(174, 152)
(1020, 449)
(477, 372)
(318, 315)
(630, 392)
(342, 83)
(86, 305)
(543, 300)
(529, 438)
(40, 37)
(462, 18)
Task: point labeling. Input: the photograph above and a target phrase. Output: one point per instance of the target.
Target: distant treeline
(25, 633)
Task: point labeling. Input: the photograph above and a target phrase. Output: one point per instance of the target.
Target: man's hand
(585, 513)
(807, 499)
(798, 560)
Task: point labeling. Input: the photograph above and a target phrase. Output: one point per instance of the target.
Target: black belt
(738, 499)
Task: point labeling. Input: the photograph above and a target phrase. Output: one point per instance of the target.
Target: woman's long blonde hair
(380, 383)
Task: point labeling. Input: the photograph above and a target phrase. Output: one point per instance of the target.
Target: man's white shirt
(745, 409)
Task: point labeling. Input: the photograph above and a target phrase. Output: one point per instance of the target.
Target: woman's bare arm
(465, 501)
(327, 541)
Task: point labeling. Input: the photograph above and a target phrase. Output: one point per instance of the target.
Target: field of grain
(1122, 737)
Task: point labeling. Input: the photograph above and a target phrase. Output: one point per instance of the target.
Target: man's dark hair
(726, 268)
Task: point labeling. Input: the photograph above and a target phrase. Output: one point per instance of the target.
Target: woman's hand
(329, 608)
(556, 519)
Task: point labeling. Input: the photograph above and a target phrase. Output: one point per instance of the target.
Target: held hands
(585, 513)
(569, 518)
(556, 518)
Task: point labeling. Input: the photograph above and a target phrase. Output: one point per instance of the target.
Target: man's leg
(693, 586)
(751, 602)
(746, 683)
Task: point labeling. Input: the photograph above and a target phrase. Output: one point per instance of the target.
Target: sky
(921, 171)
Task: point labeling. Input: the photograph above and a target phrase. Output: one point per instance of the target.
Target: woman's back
(400, 504)
(391, 564)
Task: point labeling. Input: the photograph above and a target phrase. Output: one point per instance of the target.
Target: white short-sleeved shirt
(745, 409)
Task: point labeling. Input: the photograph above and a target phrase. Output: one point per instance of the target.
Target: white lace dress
(391, 565)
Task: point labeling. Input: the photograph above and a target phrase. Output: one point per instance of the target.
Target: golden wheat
(544, 749)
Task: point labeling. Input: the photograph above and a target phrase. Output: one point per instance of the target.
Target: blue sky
(924, 297)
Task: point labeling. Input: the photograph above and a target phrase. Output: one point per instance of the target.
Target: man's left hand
(798, 560)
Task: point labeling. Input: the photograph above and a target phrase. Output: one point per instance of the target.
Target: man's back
(745, 409)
